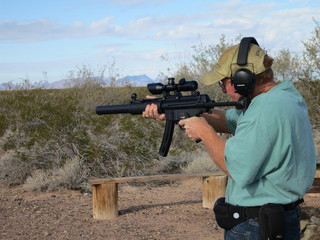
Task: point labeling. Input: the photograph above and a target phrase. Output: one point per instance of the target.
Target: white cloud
(277, 24)
(38, 30)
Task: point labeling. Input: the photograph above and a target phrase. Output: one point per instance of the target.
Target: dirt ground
(151, 211)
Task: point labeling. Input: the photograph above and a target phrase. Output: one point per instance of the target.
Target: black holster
(271, 221)
(271, 217)
(227, 215)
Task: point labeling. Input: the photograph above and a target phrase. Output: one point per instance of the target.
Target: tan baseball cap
(227, 64)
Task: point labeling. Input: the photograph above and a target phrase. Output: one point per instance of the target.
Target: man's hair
(266, 76)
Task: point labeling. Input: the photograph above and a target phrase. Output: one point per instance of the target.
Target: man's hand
(151, 111)
(195, 127)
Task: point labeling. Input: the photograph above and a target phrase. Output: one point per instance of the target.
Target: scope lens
(155, 88)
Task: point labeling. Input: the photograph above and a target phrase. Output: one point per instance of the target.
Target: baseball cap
(227, 64)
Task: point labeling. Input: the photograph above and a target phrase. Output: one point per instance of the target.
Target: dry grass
(70, 176)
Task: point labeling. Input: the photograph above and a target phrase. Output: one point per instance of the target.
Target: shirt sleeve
(232, 116)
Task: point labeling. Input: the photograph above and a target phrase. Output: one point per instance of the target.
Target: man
(270, 161)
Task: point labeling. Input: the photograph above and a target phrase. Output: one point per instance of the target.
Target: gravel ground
(149, 211)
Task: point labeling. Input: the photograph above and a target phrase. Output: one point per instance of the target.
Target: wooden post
(105, 201)
(213, 188)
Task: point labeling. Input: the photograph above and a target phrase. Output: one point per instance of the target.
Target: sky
(43, 40)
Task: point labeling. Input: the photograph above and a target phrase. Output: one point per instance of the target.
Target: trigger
(183, 115)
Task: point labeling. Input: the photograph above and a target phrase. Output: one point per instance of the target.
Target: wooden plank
(153, 177)
(315, 188)
(316, 182)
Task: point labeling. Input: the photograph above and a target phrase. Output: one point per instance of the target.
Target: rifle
(173, 104)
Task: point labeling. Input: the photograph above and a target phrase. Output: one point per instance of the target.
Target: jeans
(250, 230)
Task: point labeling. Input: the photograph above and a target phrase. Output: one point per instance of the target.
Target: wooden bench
(105, 191)
(315, 188)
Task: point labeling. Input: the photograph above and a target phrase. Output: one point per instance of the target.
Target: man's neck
(263, 88)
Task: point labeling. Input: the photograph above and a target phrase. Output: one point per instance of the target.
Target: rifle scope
(183, 85)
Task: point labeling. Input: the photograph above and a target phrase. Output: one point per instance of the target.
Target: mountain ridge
(133, 80)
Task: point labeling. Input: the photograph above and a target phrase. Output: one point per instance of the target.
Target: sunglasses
(222, 85)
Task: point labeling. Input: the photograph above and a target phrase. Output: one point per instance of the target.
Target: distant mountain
(57, 84)
(136, 80)
(140, 80)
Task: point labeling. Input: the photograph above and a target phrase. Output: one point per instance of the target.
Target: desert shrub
(69, 176)
(199, 162)
(14, 168)
(309, 89)
(194, 161)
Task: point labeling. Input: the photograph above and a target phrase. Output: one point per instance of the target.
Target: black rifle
(173, 104)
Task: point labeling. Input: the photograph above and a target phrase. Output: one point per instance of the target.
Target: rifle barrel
(117, 109)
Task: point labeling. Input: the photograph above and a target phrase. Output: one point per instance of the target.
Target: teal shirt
(232, 116)
(271, 157)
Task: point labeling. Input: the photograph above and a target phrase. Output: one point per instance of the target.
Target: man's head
(228, 67)
(228, 88)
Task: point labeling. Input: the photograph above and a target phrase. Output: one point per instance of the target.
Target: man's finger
(150, 97)
(182, 122)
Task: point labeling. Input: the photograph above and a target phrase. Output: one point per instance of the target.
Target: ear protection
(244, 79)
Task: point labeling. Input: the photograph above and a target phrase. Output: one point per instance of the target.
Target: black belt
(253, 212)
